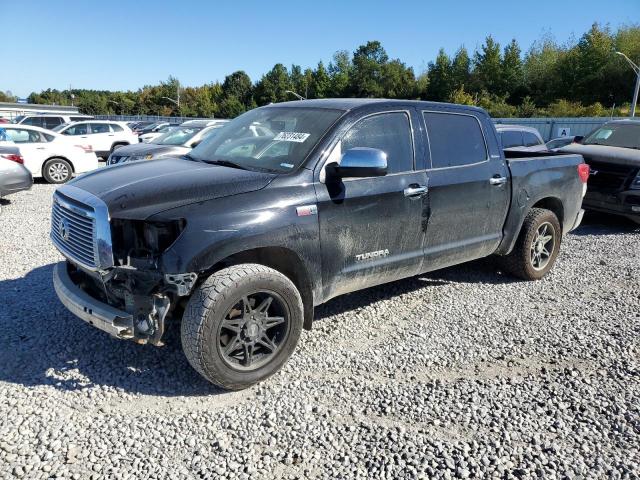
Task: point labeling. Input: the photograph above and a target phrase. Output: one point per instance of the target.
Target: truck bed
(542, 175)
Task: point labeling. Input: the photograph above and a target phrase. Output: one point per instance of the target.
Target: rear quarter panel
(537, 178)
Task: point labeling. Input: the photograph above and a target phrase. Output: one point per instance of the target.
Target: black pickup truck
(613, 155)
(292, 204)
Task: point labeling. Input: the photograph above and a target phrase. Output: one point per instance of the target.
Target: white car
(50, 155)
(102, 135)
(49, 120)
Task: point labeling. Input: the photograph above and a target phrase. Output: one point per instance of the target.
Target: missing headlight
(140, 239)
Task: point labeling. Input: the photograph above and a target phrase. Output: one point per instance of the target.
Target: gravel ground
(460, 373)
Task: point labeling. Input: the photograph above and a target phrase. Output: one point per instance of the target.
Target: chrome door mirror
(359, 162)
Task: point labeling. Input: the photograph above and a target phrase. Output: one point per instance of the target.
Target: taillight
(14, 158)
(583, 172)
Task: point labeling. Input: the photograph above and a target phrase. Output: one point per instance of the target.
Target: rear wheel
(241, 325)
(57, 170)
(116, 146)
(537, 246)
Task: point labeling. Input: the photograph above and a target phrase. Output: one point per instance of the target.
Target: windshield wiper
(226, 163)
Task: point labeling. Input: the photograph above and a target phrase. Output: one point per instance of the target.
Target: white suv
(103, 136)
(49, 120)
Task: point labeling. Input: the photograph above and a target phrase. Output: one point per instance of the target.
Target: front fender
(220, 228)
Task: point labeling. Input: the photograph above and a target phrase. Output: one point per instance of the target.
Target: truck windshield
(625, 135)
(276, 139)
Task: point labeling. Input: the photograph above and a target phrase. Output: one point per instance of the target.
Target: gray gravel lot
(460, 373)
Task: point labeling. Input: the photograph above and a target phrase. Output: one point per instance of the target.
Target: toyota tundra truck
(292, 204)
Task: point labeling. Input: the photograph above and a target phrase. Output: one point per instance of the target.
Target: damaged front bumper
(115, 322)
(142, 321)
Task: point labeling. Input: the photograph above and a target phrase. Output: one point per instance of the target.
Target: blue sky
(119, 44)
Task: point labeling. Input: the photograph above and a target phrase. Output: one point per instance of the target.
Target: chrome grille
(72, 230)
(81, 228)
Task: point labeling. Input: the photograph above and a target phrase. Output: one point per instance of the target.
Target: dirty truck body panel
(443, 201)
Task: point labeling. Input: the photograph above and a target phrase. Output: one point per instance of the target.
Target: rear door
(371, 229)
(101, 137)
(468, 189)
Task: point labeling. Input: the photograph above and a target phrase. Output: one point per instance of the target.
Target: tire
(527, 261)
(57, 170)
(116, 146)
(220, 337)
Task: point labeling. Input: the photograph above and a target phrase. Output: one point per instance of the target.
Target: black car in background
(613, 154)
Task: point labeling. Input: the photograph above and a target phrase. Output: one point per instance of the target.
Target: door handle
(40, 148)
(497, 180)
(415, 191)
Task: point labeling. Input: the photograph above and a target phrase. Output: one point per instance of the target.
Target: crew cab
(243, 236)
(613, 155)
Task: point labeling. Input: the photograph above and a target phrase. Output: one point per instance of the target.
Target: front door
(371, 229)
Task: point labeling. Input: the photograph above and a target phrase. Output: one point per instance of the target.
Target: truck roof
(354, 103)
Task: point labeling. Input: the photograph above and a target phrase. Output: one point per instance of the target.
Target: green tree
(321, 83)
(512, 73)
(273, 85)
(440, 78)
(238, 85)
(230, 107)
(460, 68)
(368, 70)
(339, 74)
(488, 68)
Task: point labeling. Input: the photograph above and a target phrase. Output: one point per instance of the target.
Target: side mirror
(359, 162)
(195, 144)
(578, 138)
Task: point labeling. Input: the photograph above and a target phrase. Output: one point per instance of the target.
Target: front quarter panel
(217, 229)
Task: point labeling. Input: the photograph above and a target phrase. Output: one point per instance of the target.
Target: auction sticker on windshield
(297, 137)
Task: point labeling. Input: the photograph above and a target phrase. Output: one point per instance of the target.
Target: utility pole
(636, 69)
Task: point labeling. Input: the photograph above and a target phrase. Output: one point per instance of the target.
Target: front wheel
(537, 246)
(241, 325)
(57, 170)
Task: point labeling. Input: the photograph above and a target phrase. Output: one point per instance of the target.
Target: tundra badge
(366, 256)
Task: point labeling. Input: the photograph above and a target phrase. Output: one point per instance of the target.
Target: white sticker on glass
(297, 137)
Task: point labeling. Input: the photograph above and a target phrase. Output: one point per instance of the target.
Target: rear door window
(511, 138)
(455, 139)
(80, 129)
(100, 128)
(33, 121)
(116, 128)
(530, 139)
(20, 135)
(51, 122)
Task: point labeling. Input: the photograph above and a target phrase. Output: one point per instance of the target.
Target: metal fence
(150, 118)
(558, 127)
(548, 127)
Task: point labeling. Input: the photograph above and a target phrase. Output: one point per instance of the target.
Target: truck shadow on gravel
(42, 344)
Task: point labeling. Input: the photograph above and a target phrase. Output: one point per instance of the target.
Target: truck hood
(141, 149)
(138, 190)
(604, 153)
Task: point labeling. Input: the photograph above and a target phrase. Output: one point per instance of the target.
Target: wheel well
(284, 261)
(73, 169)
(555, 205)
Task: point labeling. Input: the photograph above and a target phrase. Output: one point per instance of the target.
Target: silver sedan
(14, 177)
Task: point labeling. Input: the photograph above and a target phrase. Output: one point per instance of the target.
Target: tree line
(583, 77)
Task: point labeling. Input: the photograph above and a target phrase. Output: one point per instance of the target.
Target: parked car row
(75, 144)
